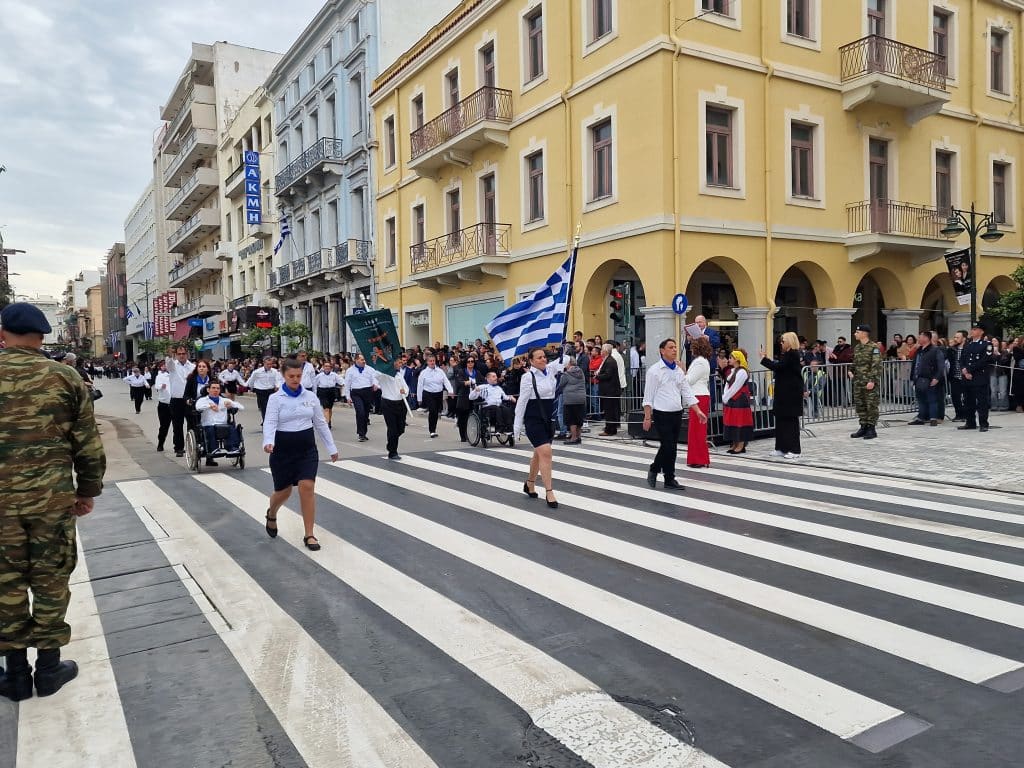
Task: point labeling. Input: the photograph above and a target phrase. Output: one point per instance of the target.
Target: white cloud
(81, 97)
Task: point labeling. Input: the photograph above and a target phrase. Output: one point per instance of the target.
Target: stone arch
(593, 299)
(999, 285)
(892, 289)
(803, 288)
(938, 300)
(736, 274)
(821, 282)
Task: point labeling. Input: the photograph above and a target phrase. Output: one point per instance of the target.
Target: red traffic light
(615, 293)
(616, 306)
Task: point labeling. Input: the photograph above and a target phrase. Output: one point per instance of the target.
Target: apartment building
(324, 181)
(143, 272)
(77, 320)
(114, 298)
(216, 80)
(783, 167)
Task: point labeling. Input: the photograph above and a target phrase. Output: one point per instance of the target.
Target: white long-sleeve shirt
(433, 380)
(392, 387)
(491, 394)
(229, 374)
(738, 381)
(262, 379)
(356, 379)
(667, 389)
(699, 376)
(286, 413)
(178, 372)
(136, 381)
(210, 417)
(545, 388)
(327, 380)
(308, 375)
(162, 385)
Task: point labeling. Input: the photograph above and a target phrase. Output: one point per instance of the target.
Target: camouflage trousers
(866, 403)
(37, 554)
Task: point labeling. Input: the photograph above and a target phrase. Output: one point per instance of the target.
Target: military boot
(871, 434)
(861, 432)
(16, 681)
(52, 673)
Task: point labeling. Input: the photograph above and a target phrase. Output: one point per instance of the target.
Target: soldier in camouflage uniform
(866, 375)
(46, 428)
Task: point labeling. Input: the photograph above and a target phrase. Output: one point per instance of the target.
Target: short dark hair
(664, 343)
(534, 350)
(927, 334)
(290, 363)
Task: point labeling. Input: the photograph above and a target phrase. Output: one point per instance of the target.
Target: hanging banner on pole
(959, 265)
(376, 337)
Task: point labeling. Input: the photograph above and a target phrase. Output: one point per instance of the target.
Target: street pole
(973, 223)
(145, 322)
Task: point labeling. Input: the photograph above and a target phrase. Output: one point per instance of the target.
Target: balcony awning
(214, 343)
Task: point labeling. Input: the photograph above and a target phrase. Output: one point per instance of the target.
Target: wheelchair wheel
(473, 429)
(192, 451)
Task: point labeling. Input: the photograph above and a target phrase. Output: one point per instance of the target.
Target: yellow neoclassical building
(785, 167)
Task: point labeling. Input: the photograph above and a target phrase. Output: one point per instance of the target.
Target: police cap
(864, 327)
(979, 326)
(22, 317)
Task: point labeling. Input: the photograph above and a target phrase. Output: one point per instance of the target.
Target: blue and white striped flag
(537, 320)
(285, 233)
(128, 314)
(147, 331)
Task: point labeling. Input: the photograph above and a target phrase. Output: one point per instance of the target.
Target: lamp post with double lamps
(974, 224)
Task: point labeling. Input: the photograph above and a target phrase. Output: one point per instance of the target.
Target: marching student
(213, 410)
(162, 384)
(179, 368)
(433, 383)
(493, 397)
(230, 379)
(137, 384)
(293, 415)
(534, 411)
(393, 391)
(264, 382)
(326, 384)
(361, 384)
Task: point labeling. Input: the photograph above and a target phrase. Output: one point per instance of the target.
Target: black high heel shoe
(528, 492)
(550, 503)
(272, 532)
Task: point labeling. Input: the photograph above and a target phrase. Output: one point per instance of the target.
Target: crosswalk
(769, 615)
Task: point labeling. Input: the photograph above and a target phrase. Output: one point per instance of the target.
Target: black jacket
(608, 378)
(929, 363)
(462, 390)
(788, 401)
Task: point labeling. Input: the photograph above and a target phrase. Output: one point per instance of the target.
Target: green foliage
(156, 348)
(1008, 311)
(298, 335)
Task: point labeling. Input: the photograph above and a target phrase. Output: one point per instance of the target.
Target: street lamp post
(973, 223)
(145, 322)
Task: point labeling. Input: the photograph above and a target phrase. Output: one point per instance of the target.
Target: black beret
(22, 317)
(864, 327)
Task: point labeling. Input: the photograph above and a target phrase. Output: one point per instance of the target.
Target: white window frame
(490, 169)
(730, 22)
(1010, 225)
(525, 225)
(892, 180)
(954, 172)
(817, 122)
(454, 65)
(524, 42)
(357, 118)
(389, 115)
(890, 19)
(720, 98)
(599, 115)
(587, 14)
(489, 37)
(419, 200)
(812, 43)
(953, 39)
(1009, 60)
(417, 91)
(391, 216)
(455, 185)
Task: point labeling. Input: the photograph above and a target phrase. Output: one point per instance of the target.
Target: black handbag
(97, 393)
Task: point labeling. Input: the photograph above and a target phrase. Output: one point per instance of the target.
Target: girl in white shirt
(326, 384)
(534, 410)
(736, 404)
(293, 413)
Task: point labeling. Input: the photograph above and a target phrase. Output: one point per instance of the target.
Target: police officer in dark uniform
(977, 358)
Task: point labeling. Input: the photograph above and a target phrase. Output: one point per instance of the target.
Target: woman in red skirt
(736, 413)
(699, 376)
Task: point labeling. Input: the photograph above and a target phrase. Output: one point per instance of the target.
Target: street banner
(377, 338)
(959, 265)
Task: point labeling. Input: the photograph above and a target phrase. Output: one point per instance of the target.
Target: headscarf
(739, 357)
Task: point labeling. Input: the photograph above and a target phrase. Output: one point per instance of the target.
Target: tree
(155, 348)
(5, 294)
(297, 334)
(1008, 311)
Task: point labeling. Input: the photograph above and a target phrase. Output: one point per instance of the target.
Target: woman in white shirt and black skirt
(293, 413)
(534, 411)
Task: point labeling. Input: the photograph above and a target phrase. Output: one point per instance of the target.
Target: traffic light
(616, 304)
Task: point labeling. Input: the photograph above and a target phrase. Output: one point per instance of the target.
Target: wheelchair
(195, 442)
(481, 431)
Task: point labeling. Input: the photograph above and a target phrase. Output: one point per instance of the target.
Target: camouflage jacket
(47, 427)
(867, 363)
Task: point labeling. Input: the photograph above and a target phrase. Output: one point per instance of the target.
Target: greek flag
(285, 232)
(147, 331)
(128, 314)
(537, 320)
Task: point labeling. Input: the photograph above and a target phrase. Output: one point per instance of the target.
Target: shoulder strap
(536, 393)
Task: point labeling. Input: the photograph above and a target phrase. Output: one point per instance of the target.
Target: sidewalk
(942, 454)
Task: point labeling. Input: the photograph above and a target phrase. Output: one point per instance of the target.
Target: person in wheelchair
(213, 413)
(494, 399)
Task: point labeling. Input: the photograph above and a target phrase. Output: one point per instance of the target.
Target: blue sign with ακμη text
(253, 204)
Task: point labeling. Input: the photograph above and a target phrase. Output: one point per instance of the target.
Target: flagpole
(572, 279)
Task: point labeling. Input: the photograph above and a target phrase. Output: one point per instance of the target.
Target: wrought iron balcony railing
(880, 55)
(456, 247)
(241, 301)
(324, 149)
(487, 103)
(352, 251)
(890, 217)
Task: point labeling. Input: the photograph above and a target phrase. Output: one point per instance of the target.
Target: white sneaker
(433, 434)
(791, 456)
(776, 453)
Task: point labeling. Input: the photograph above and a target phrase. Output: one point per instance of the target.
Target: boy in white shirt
(494, 397)
(213, 410)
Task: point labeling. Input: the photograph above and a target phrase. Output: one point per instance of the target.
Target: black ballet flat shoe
(311, 543)
(528, 492)
(272, 532)
(551, 504)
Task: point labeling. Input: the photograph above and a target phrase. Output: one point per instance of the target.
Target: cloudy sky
(81, 83)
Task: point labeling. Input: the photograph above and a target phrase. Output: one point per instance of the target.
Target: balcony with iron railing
(321, 157)
(201, 306)
(483, 117)
(878, 70)
(889, 225)
(241, 301)
(198, 144)
(234, 185)
(199, 186)
(197, 268)
(199, 225)
(466, 255)
(349, 259)
(198, 109)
